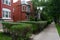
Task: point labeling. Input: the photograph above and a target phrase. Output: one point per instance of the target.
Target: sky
(17, 0)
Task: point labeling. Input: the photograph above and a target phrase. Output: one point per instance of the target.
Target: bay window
(23, 8)
(6, 13)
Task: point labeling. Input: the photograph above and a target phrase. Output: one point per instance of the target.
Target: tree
(38, 3)
(45, 14)
(53, 9)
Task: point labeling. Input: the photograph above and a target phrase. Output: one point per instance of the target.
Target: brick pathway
(50, 33)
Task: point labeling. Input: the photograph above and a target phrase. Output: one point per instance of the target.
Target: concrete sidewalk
(50, 33)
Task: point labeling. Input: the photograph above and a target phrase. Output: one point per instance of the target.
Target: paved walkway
(50, 33)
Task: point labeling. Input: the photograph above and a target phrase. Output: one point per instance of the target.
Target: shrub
(6, 26)
(25, 28)
(17, 30)
(31, 18)
(46, 17)
(37, 26)
(22, 30)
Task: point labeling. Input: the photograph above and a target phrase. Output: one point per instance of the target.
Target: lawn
(58, 28)
(4, 37)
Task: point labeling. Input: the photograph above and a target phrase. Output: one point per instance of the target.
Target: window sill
(7, 4)
(6, 18)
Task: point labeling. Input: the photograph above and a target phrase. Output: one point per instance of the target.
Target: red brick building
(6, 9)
(22, 10)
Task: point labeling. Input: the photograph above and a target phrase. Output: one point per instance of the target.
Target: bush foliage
(24, 29)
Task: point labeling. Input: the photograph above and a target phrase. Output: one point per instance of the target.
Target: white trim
(5, 9)
(6, 18)
(23, 8)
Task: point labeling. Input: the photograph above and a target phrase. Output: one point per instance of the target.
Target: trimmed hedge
(37, 26)
(6, 27)
(22, 30)
(19, 31)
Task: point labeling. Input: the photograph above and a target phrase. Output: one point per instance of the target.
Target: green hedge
(24, 29)
(6, 26)
(37, 26)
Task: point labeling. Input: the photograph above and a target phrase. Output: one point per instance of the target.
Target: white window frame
(9, 2)
(23, 8)
(9, 13)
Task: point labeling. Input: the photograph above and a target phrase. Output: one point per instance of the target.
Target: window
(8, 2)
(3, 12)
(28, 9)
(6, 13)
(23, 8)
(3, 1)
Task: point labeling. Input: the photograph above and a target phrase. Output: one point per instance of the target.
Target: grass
(58, 28)
(4, 37)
